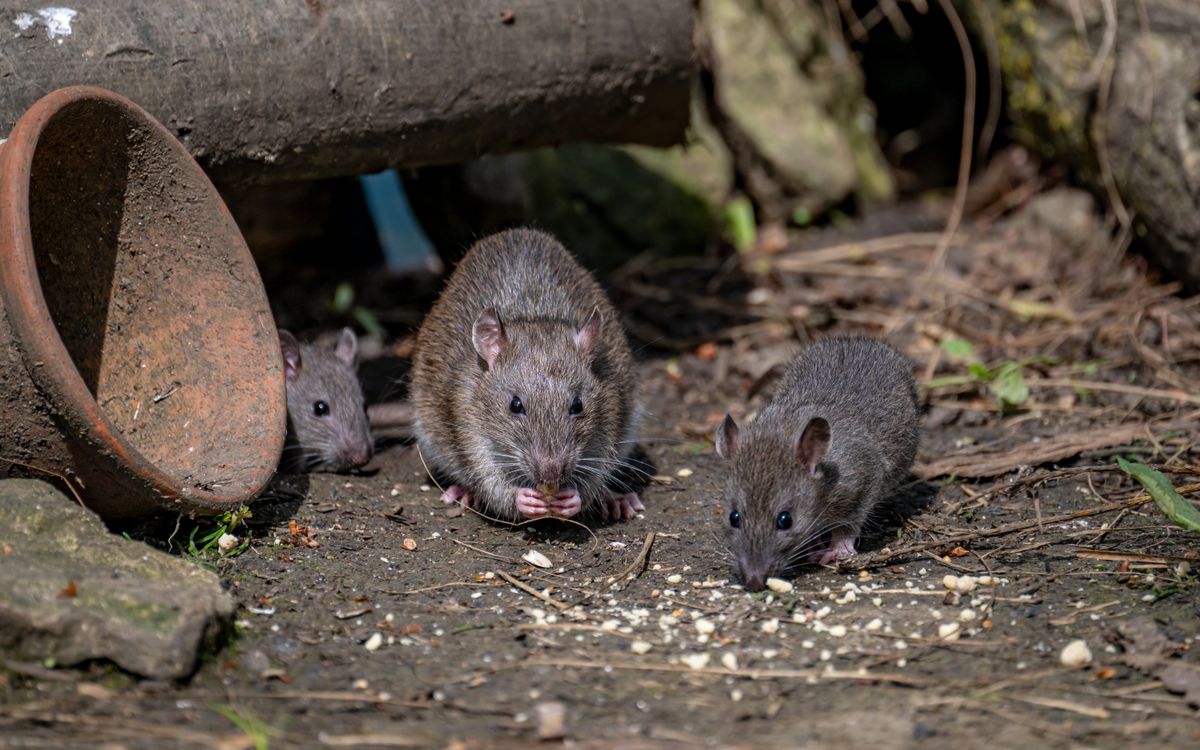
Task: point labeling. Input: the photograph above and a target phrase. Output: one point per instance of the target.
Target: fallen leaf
(707, 351)
(69, 591)
(1175, 506)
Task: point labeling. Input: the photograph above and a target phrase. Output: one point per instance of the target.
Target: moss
(1042, 67)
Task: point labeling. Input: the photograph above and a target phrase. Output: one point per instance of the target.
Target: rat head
(539, 403)
(326, 415)
(774, 510)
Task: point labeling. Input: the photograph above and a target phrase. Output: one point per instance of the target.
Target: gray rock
(147, 611)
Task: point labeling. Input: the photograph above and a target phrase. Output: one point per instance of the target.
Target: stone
(794, 112)
(71, 591)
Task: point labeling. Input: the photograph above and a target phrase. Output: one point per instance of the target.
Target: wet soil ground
(370, 615)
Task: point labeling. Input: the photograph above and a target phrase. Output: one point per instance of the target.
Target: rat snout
(548, 469)
(754, 573)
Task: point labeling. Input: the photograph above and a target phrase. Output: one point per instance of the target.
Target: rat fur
(327, 419)
(524, 388)
(839, 434)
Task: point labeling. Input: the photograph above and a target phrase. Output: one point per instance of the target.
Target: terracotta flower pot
(138, 356)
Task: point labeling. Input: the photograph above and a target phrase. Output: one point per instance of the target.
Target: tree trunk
(1109, 87)
(283, 89)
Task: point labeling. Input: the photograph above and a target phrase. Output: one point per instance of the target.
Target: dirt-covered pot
(139, 361)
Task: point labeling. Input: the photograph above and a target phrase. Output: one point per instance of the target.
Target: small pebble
(729, 660)
(374, 642)
(838, 631)
(1076, 654)
(409, 544)
(873, 625)
(683, 473)
(674, 578)
(705, 627)
(948, 631)
(226, 543)
(771, 626)
(640, 647)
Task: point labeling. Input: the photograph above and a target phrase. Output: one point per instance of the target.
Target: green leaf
(1176, 507)
(980, 370)
(343, 298)
(739, 223)
(1009, 385)
(369, 322)
(958, 347)
(802, 216)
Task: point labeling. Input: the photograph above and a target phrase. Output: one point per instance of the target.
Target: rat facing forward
(327, 422)
(838, 436)
(523, 386)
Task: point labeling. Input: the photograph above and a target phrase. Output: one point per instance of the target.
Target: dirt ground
(372, 616)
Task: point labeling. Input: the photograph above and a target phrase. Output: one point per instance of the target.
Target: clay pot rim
(47, 359)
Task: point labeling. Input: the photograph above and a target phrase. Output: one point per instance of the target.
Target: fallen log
(265, 91)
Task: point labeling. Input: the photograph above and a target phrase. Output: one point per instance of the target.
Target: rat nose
(357, 455)
(754, 575)
(547, 469)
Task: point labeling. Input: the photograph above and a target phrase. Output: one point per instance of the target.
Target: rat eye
(735, 519)
(783, 521)
(320, 408)
(576, 407)
(515, 406)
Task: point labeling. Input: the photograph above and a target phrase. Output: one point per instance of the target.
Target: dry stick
(968, 139)
(753, 674)
(485, 552)
(640, 562)
(532, 591)
(1012, 528)
(1133, 390)
(51, 472)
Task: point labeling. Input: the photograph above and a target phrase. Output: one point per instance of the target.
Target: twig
(532, 591)
(1098, 554)
(869, 561)
(639, 563)
(1133, 390)
(486, 553)
(968, 138)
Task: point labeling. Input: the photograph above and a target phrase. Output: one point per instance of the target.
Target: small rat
(523, 386)
(838, 435)
(327, 420)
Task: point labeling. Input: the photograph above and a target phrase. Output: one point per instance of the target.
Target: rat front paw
(531, 503)
(841, 546)
(566, 503)
(620, 507)
(458, 495)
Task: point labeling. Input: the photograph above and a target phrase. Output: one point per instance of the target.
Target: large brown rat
(839, 434)
(327, 420)
(524, 388)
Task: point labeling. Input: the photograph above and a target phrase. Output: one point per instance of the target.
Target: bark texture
(283, 89)
(1109, 87)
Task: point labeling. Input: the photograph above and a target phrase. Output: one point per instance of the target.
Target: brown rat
(327, 421)
(839, 434)
(523, 385)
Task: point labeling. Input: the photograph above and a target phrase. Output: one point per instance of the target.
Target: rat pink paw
(566, 504)
(620, 507)
(531, 503)
(458, 495)
(841, 546)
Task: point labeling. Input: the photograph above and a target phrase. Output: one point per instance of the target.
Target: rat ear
(347, 347)
(290, 349)
(813, 444)
(488, 336)
(585, 337)
(726, 438)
